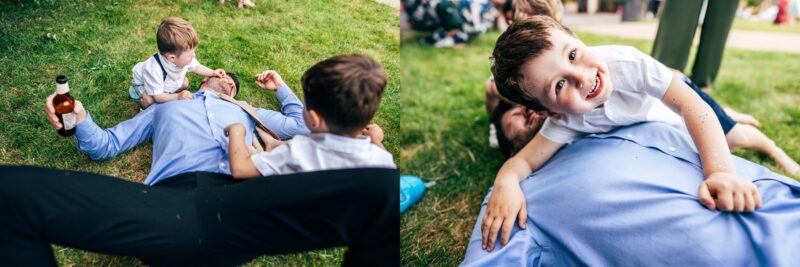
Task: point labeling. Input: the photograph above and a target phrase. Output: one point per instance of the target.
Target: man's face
(219, 85)
(568, 78)
(521, 124)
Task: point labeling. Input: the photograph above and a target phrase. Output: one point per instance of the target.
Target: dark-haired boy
(539, 63)
(341, 96)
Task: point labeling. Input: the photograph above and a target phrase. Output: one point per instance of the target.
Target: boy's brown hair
(528, 8)
(524, 40)
(345, 90)
(175, 35)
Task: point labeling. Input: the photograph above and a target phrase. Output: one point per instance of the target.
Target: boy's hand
(506, 204)
(271, 80)
(185, 95)
(220, 73)
(236, 129)
(80, 113)
(374, 132)
(731, 193)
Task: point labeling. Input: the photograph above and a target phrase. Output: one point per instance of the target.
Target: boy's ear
(316, 120)
(170, 56)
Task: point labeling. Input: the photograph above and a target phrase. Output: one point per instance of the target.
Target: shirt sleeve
(192, 64)
(153, 80)
(101, 144)
(555, 132)
(655, 77)
(289, 122)
(269, 163)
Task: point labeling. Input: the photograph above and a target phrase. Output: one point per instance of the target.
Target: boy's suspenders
(163, 71)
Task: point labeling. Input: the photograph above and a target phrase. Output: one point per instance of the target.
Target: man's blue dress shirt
(188, 135)
(629, 198)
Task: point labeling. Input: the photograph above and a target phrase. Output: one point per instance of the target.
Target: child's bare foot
(742, 117)
(221, 2)
(243, 3)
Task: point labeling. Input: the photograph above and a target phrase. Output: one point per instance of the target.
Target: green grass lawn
(444, 131)
(96, 43)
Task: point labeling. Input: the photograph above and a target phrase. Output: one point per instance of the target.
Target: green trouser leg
(717, 24)
(676, 28)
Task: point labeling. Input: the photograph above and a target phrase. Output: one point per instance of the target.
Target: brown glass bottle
(64, 103)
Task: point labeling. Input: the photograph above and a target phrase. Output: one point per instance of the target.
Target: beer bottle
(64, 103)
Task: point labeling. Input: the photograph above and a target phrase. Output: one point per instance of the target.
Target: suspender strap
(250, 111)
(163, 71)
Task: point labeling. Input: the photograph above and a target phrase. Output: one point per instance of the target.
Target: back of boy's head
(175, 35)
(525, 40)
(345, 90)
(529, 8)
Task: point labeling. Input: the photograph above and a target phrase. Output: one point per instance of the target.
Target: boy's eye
(572, 55)
(559, 85)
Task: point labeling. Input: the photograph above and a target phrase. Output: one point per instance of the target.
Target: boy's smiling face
(568, 78)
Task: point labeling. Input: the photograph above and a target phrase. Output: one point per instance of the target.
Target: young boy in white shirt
(539, 63)
(341, 96)
(162, 77)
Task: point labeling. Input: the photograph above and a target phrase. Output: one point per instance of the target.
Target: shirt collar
(342, 143)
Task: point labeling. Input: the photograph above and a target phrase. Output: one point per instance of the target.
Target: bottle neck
(62, 88)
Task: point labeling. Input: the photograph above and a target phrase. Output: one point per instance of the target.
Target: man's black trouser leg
(198, 218)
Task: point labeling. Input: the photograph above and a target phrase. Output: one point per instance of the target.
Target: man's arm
(238, 154)
(166, 97)
(101, 144)
(289, 122)
(732, 193)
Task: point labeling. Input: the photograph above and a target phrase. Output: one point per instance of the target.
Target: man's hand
(374, 132)
(269, 80)
(505, 205)
(731, 193)
(220, 73)
(185, 95)
(80, 113)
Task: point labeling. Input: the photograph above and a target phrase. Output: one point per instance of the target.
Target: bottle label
(69, 120)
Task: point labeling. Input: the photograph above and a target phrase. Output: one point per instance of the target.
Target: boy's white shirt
(322, 151)
(639, 83)
(147, 76)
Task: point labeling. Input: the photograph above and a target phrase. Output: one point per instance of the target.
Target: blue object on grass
(411, 189)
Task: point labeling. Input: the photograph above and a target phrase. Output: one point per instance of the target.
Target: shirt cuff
(86, 128)
(283, 92)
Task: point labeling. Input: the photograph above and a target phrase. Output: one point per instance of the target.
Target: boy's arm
(205, 71)
(507, 202)
(375, 134)
(238, 154)
(166, 97)
(732, 193)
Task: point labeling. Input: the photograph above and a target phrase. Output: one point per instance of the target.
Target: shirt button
(672, 149)
(222, 165)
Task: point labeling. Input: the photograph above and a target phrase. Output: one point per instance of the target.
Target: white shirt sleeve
(558, 133)
(655, 77)
(193, 64)
(271, 163)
